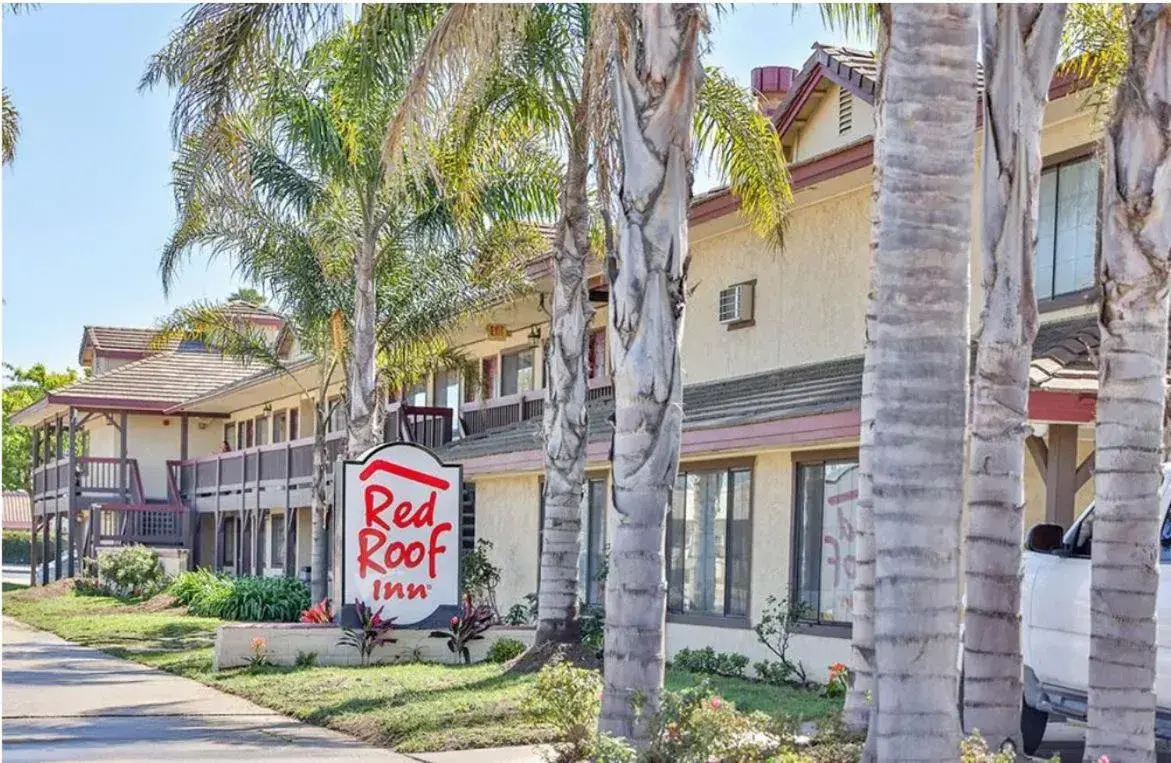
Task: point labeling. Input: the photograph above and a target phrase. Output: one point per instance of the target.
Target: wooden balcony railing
(483, 415)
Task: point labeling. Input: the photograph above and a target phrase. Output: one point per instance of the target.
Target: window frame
(816, 627)
(742, 621)
(262, 427)
(276, 541)
(514, 353)
(294, 424)
(1089, 294)
(279, 432)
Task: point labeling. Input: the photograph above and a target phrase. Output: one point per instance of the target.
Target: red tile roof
(18, 511)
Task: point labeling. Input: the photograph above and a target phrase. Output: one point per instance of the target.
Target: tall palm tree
(919, 356)
(1133, 273)
(292, 180)
(1020, 51)
(545, 65)
(655, 79)
(10, 132)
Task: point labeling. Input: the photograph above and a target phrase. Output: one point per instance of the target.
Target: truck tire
(1033, 723)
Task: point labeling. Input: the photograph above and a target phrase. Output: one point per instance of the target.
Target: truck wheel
(1033, 723)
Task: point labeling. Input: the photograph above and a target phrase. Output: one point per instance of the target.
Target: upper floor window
(596, 356)
(229, 434)
(337, 415)
(447, 388)
(708, 543)
(1067, 229)
(262, 430)
(279, 420)
(516, 372)
(592, 556)
(827, 497)
(294, 423)
(417, 395)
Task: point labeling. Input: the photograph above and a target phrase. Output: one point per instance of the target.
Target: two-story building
(197, 451)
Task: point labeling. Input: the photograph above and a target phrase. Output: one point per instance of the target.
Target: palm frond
(1094, 48)
(10, 129)
(851, 19)
(745, 148)
(218, 329)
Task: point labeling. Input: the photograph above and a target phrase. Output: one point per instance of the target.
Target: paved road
(67, 702)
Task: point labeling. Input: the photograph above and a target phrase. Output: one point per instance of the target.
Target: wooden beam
(182, 436)
(45, 549)
(1085, 470)
(73, 489)
(122, 482)
(1040, 454)
(1061, 487)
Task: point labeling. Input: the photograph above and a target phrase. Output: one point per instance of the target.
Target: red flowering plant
(468, 626)
(839, 680)
(321, 612)
(697, 724)
(373, 629)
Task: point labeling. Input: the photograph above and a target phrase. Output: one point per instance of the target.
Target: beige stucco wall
(508, 515)
(820, 135)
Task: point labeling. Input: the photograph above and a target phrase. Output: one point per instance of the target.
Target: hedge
(17, 547)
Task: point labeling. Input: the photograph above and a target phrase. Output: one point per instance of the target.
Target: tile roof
(116, 338)
(168, 377)
(18, 512)
(1063, 351)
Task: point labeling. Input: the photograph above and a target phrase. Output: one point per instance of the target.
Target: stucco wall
(820, 135)
(508, 515)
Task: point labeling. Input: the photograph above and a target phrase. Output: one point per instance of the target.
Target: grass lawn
(413, 708)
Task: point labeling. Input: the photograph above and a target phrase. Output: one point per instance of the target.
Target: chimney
(771, 83)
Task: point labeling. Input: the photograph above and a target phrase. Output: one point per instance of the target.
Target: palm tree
(292, 181)
(1020, 52)
(919, 357)
(249, 295)
(1133, 273)
(655, 80)
(10, 125)
(544, 65)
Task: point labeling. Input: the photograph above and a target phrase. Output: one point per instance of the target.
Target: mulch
(551, 653)
(50, 591)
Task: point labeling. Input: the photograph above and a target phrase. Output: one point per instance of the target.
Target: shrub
(17, 548)
(839, 680)
(187, 585)
(481, 576)
(259, 656)
(306, 659)
(266, 600)
(773, 671)
(505, 649)
(569, 699)
(523, 614)
(774, 631)
(709, 661)
(372, 630)
(468, 626)
(211, 599)
(321, 612)
(131, 571)
(593, 629)
(698, 725)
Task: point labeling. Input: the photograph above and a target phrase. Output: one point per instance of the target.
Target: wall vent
(845, 111)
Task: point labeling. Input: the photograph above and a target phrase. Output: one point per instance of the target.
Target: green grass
(6, 587)
(413, 708)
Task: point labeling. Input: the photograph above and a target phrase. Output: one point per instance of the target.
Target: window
(229, 544)
(229, 434)
(447, 389)
(467, 518)
(416, 395)
(192, 345)
(487, 380)
(845, 111)
(337, 415)
(596, 356)
(708, 543)
(279, 420)
(276, 532)
(735, 305)
(593, 541)
(241, 436)
(827, 497)
(294, 424)
(1067, 229)
(262, 430)
(516, 372)
(249, 433)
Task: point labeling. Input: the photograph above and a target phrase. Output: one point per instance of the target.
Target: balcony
(483, 415)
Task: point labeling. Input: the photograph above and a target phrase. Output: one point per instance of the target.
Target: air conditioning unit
(736, 303)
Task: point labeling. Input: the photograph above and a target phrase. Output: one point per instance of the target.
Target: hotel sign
(400, 524)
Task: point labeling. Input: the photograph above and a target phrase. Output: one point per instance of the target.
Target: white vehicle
(1055, 633)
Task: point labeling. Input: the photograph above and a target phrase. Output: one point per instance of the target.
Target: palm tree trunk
(859, 706)
(1136, 240)
(1020, 51)
(319, 505)
(363, 429)
(920, 375)
(656, 76)
(566, 423)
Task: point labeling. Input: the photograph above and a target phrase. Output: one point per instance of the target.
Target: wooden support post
(1061, 485)
(57, 545)
(290, 541)
(123, 485)
(182, 436)
(242, 557)
(33, 556)
(218, 563)
(73, 490)
(45, 546)
(258, 526)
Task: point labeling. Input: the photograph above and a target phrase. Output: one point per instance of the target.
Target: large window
(276, 532)
(279, 422)
(1067, 229)
(516, 372)
(708, 543)
(416, 395)
(294, 424)
(262, 430)
(827, 498)
(447, 389)
(593, 541)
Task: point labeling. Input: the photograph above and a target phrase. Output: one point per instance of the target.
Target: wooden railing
(95, 478)
(149, 524)
(429, 426)
(483, 415)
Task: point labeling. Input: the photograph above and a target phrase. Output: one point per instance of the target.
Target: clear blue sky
(87, 203)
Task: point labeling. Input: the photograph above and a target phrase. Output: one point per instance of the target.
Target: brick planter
(286, 640)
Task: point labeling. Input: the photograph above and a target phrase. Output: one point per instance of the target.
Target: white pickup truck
(1055, 634)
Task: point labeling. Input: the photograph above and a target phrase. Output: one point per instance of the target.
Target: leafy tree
(22, 388)
(249, 295)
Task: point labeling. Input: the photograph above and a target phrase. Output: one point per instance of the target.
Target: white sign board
(401, 514)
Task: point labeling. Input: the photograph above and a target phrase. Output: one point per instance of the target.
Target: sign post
(401, 535)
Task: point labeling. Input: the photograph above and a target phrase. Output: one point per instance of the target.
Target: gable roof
(155, 383)
(18, 512)
(115, 341)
